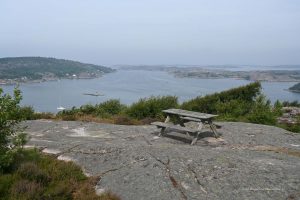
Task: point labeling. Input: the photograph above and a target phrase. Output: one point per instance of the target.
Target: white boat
(60, 108)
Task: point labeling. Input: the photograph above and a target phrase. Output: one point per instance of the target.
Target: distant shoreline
(208, 74)
(296, 91)
(204, 73)
(14, 82)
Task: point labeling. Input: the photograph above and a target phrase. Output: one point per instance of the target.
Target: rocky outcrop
(290, 115)
(249, 161)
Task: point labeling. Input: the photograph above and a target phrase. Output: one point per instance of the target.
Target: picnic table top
(187, 113)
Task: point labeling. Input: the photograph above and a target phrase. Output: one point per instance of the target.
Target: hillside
(249, 161)
(295, 88)
(22, 69)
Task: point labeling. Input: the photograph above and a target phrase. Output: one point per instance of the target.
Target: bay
(131, 85)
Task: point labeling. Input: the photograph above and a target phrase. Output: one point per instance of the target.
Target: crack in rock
(112, 170)
(107, 171)
(196, 178)
(147, 141)
(172, 179)
(102, 152)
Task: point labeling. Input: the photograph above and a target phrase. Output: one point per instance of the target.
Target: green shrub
(277, 109)
(211, 103)
(232, 110)
(32, 172)
(291, 127)
(152, 107)
(87, 109)
(261, 112)
(291, 104)
(110, 107)
(44, 115)
(27, 113)
(68, 115)
(10, 139)
(104, 110)
(6, 182)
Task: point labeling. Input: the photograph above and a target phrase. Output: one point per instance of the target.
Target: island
(37, 69)
(295, 88)
(219, 72)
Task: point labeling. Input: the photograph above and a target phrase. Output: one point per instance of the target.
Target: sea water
(130, 85)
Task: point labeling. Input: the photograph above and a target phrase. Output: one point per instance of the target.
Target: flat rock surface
(248, 161)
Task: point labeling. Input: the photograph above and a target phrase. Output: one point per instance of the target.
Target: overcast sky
(202, 32)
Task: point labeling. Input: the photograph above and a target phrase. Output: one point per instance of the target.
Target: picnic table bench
(187, 116)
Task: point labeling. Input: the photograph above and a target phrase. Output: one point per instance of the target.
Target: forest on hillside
(35, 68)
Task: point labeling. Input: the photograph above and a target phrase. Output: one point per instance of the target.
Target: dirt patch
(283, 150)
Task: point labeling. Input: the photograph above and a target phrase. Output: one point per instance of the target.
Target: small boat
(93, 94)
(60, 108)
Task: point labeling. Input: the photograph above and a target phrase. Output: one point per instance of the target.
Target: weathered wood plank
(199, 120)
(187, 113)
(172, 126)
(191, 119)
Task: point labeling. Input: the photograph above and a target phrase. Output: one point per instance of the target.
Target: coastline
(180, 74)
(204, 73)
(7, 82)
(296, 91)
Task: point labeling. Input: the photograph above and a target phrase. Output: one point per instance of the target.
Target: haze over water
(129, 86)
(243, 33)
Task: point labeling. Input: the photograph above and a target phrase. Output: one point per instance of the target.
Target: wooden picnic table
(187, 116)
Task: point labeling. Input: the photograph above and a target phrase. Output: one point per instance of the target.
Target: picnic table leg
(167, 119)
(198, 133)
(163, 129)
(213, 128)
(181, 123)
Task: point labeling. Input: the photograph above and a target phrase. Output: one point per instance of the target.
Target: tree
(11, 136)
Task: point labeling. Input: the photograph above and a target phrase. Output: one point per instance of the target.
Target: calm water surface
(129, 86)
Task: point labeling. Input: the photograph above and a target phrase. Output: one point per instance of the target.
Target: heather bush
(32, 172)
(152, 107)
(37, 176)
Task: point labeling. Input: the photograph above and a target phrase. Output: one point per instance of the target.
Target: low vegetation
(141, 112)
(245, 104)
(151, 107)
(30, 175)
(291, 104)
(36, 176)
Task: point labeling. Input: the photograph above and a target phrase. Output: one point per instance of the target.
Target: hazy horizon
(144, 32)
